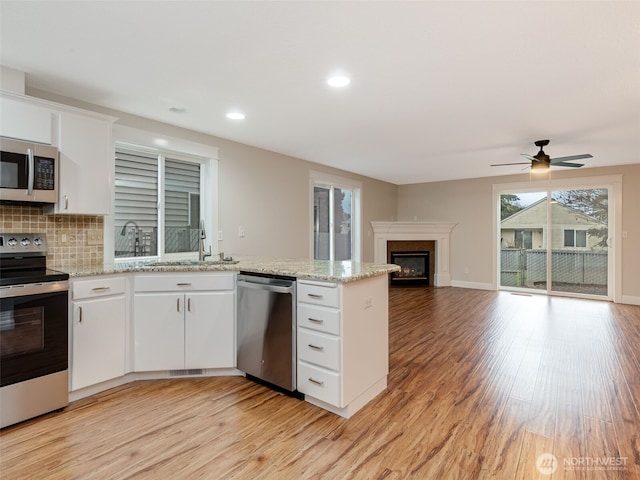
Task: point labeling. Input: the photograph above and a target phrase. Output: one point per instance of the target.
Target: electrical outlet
(220, 238)
(63, 237)
(95, 238)
(241, 231)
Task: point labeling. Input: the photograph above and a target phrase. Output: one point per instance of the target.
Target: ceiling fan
(541, 162)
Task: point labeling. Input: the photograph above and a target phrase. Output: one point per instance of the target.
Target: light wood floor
(480, 385)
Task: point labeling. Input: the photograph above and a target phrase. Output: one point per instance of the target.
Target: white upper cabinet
(26, 120)
(84, 140)
(86, 164)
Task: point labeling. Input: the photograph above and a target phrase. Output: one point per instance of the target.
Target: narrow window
(336, 213)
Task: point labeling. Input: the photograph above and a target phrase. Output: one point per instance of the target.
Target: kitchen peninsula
(342, 325)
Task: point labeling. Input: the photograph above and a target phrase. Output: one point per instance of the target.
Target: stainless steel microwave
(28, 171)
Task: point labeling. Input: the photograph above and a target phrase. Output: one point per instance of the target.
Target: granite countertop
(343, 272)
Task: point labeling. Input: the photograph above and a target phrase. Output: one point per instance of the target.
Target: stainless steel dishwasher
(266, 330)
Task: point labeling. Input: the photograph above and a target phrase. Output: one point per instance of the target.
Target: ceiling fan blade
(502, 164)
(530, 157)
(567, 164)
(554, 161)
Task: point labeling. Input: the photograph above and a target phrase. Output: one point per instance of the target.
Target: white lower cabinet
(319, 341)
(342, 342)
(99, 320)
(184, 321)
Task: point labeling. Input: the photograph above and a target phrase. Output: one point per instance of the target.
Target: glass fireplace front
(414, 268)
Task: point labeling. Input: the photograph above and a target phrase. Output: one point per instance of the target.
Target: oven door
(33, 331)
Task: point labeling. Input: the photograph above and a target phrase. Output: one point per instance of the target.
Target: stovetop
(23, 260)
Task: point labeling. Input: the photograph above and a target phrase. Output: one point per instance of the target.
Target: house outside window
(575, 238)
(523, 239)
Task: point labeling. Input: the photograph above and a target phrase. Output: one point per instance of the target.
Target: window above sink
(163, 188)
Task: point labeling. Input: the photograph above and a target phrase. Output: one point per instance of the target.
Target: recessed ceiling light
(235, 115)
(339, 81)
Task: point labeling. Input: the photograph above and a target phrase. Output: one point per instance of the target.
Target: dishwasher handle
(264, 286)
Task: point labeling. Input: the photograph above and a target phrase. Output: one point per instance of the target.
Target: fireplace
(437, 232)
(414, 268)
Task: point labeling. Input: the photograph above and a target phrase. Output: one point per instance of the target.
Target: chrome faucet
(124, 227)
(136, 237)
(202, 253)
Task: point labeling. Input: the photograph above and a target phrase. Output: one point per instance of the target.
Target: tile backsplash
(75, 241)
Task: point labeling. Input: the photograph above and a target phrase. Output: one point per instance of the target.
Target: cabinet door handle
(315, 320)
(99, 289)
(317, 382)
(79, 314)
(316, 347)
(66, 202)
(314, 295)
(189, 304)
(184, 284)
(177, 304)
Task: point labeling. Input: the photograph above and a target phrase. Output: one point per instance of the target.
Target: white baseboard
(159, 375)
(473, 285)
(359, 402)
(627, 299)
(630, 299)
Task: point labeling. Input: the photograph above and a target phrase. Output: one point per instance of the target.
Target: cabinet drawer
(184, 282)
(318, 294)
(319, 318)
(319, 348)
(100, 287)
(319, 383)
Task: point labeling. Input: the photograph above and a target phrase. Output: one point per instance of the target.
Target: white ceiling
(440, 89)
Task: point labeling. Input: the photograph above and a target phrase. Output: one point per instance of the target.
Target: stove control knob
(12, 242)
(25, 242)
(37, 241)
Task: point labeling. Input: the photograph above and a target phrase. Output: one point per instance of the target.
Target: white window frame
(176, 148)
(321, 179)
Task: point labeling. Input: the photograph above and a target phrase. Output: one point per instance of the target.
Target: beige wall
(265, 192)
(469, 202)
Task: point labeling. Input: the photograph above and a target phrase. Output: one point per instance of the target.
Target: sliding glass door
(580, 236)
(573, 225)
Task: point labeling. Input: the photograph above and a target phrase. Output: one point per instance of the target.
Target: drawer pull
(317, 382)
(184, 284)
(316, 347)
(99, 289)
(314, 295)
(315, 320)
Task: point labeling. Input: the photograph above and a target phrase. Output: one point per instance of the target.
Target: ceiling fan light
(539, 168)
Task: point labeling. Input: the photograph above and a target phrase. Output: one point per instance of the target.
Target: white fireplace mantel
(440, 232)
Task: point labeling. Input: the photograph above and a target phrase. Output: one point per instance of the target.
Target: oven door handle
(33, 289)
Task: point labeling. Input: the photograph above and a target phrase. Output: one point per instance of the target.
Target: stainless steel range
(33, 330)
